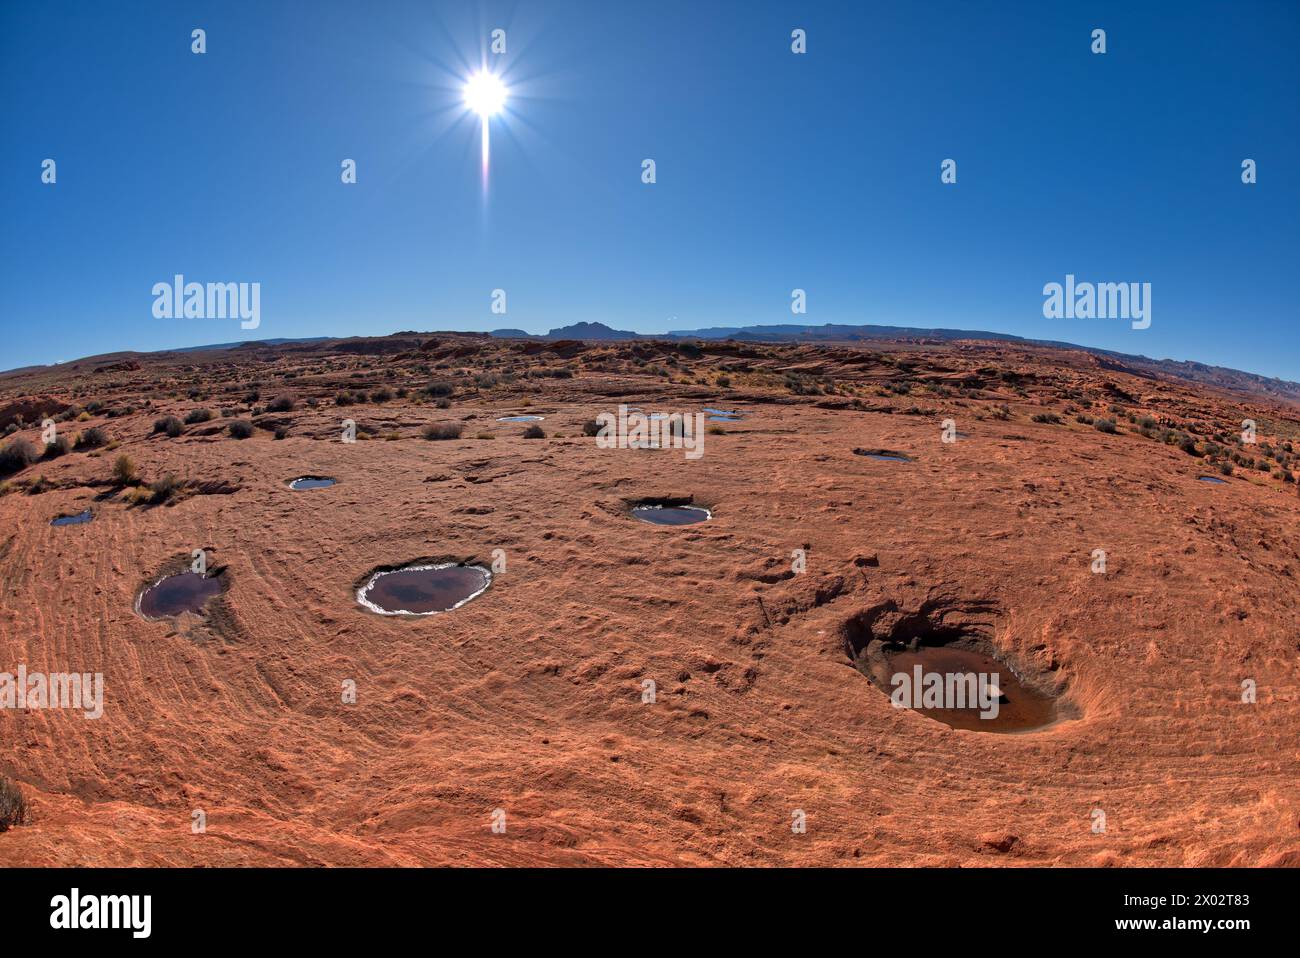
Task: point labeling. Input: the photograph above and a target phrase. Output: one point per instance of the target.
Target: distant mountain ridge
(1220, 376)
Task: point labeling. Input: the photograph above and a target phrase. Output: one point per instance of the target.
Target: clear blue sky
(775, 171)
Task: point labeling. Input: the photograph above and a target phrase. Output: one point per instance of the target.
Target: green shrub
(240, 429)
(280, 404)
(198, 415)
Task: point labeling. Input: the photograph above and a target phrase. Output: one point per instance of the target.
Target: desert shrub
(1002, 411)
(485, 435)
(485, 380)
(84, 416)
(1225, 468)
(382, 394)
(59, 447)
(1049, 417)
(1083, 418)
(1188, 445)
(1105, 425)
(169, 425)
(442, 430)
(138, 496)
(240, 429)
(92, 438)
(439, 387)
(534, 432)
(163, 489)
(124, 471)
(715, 430)
(197, 416)
(344, 398)
(443, 403)
(590, 427)
(280, 404)
(13, 806)
(281, 432)
(724, 381)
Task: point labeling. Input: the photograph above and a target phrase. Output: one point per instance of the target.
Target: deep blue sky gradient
(775, 171)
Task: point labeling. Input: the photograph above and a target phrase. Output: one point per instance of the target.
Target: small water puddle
(312, 482)
(78, 519)
(964, 689)
(174, 594)
(520, 418)
(423, 590)
(671, 515)
(1211, 479)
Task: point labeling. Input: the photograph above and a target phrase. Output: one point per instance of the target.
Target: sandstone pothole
(940, 661)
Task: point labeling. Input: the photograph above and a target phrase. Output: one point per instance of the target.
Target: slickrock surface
(529, 698)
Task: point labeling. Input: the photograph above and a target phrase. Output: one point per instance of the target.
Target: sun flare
(485, 94)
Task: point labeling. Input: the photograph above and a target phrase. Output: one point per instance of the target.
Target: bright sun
(485, 94)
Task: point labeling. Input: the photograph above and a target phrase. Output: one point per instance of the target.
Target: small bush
(13, 806)
(1105, 425)
(715, 430)
(381, 395)
(344, 398)
(124, 471)
(138, 496)
(59, 447)
(168, 424)
(534, 432)
(163, 489)
(1049, 417)
(1225, 468)
(281, 432)
(439, 388)
(590, 428)
(280, 404)
(240, 429)
(442, 430)
(197, 416)
(92, 438)
(485, 435)
(443, 403)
